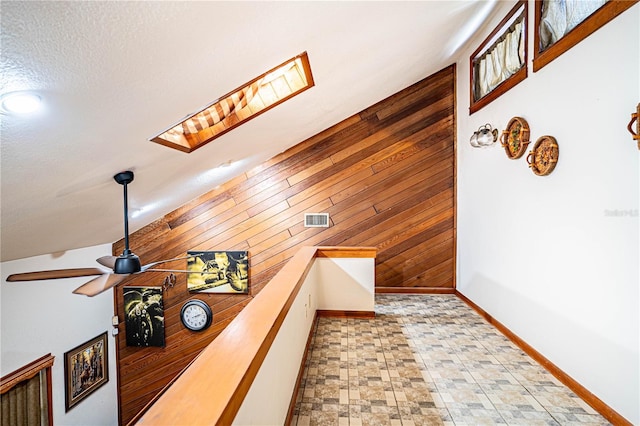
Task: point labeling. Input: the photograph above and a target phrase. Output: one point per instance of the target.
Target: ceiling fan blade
(108, 261)
(55, 274)
(100, 284)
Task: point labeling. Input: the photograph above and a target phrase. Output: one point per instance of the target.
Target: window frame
(42, 366)
(588, 26)
(511, 81)
(189, 142)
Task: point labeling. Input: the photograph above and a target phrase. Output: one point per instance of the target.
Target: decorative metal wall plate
(543, 157)
(635, 117)
(515, 138)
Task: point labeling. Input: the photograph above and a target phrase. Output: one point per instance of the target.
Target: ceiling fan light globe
(128, 264)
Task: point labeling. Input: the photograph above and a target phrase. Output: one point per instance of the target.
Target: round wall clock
(196, 315)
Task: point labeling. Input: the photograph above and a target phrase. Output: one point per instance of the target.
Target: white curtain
(561, 16)
(500, 61)
(514, 58)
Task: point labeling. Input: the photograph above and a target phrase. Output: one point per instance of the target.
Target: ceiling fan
(120, 267)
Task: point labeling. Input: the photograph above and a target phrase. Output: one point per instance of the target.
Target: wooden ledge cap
(345, 252)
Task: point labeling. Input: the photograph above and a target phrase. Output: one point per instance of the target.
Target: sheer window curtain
(561, 16)
(503, 59)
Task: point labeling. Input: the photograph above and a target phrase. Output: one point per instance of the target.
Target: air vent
(316, 220)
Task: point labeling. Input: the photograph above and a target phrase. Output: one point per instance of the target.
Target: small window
(561, 24)
(501, 60)
(26, 394)
(240, 105)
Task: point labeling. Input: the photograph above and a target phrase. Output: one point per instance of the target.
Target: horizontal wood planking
(385, 176)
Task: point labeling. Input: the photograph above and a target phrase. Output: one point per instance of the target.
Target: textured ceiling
(114, 74)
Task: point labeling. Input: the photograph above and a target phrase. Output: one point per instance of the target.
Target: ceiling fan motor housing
(127, 263)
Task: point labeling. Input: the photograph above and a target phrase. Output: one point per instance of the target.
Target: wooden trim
(193, 141)
(26, 372)
(227, 367)
(415, 290)
(594, 22)
(349, 252)
(454, 256)
(596, 403)
(519, 76)
(345, 314)
(499, 90)
(49, 394)
(117, 351)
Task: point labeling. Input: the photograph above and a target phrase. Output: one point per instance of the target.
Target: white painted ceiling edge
(114, 74)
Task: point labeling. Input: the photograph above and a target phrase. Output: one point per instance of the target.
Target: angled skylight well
(240, 105)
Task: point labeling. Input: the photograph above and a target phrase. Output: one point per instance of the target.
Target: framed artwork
(218, 271)
(144, 316)
(86, 368)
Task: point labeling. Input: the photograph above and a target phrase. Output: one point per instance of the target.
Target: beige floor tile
(427, 360)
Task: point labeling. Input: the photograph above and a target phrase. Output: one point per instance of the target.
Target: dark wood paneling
(386, 177)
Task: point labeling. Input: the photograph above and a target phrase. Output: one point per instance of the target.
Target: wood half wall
(386, 176)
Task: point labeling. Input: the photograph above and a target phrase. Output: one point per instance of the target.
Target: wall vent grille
(316, 220)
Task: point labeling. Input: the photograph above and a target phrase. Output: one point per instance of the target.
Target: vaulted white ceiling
(114, 74)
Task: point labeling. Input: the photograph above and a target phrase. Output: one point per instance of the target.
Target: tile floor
(428, 360)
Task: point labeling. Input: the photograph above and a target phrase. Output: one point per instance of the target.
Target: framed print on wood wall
(144, 316)
(218, 271)
(86, 368)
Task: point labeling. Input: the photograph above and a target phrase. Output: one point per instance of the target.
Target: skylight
(240, 105)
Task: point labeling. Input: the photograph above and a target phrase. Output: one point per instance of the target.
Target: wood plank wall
(386, 177)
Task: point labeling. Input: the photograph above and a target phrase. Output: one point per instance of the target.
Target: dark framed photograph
(86, 368)
(218, 271)
(144, 316)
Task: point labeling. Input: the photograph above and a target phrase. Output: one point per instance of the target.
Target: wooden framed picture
(144, 316)
(218, 271)
(86, 368)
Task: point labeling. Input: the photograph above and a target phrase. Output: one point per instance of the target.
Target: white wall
(347, 284)
(267, 402)
(555, 258)
(42, 317)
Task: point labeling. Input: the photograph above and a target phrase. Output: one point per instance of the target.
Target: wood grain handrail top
(212, 388)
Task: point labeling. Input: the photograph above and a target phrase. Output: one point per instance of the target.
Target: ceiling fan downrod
(127, 262)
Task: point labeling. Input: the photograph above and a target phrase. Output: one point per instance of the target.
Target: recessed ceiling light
(20, 102)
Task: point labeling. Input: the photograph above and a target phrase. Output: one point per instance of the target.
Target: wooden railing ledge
(212, 388)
